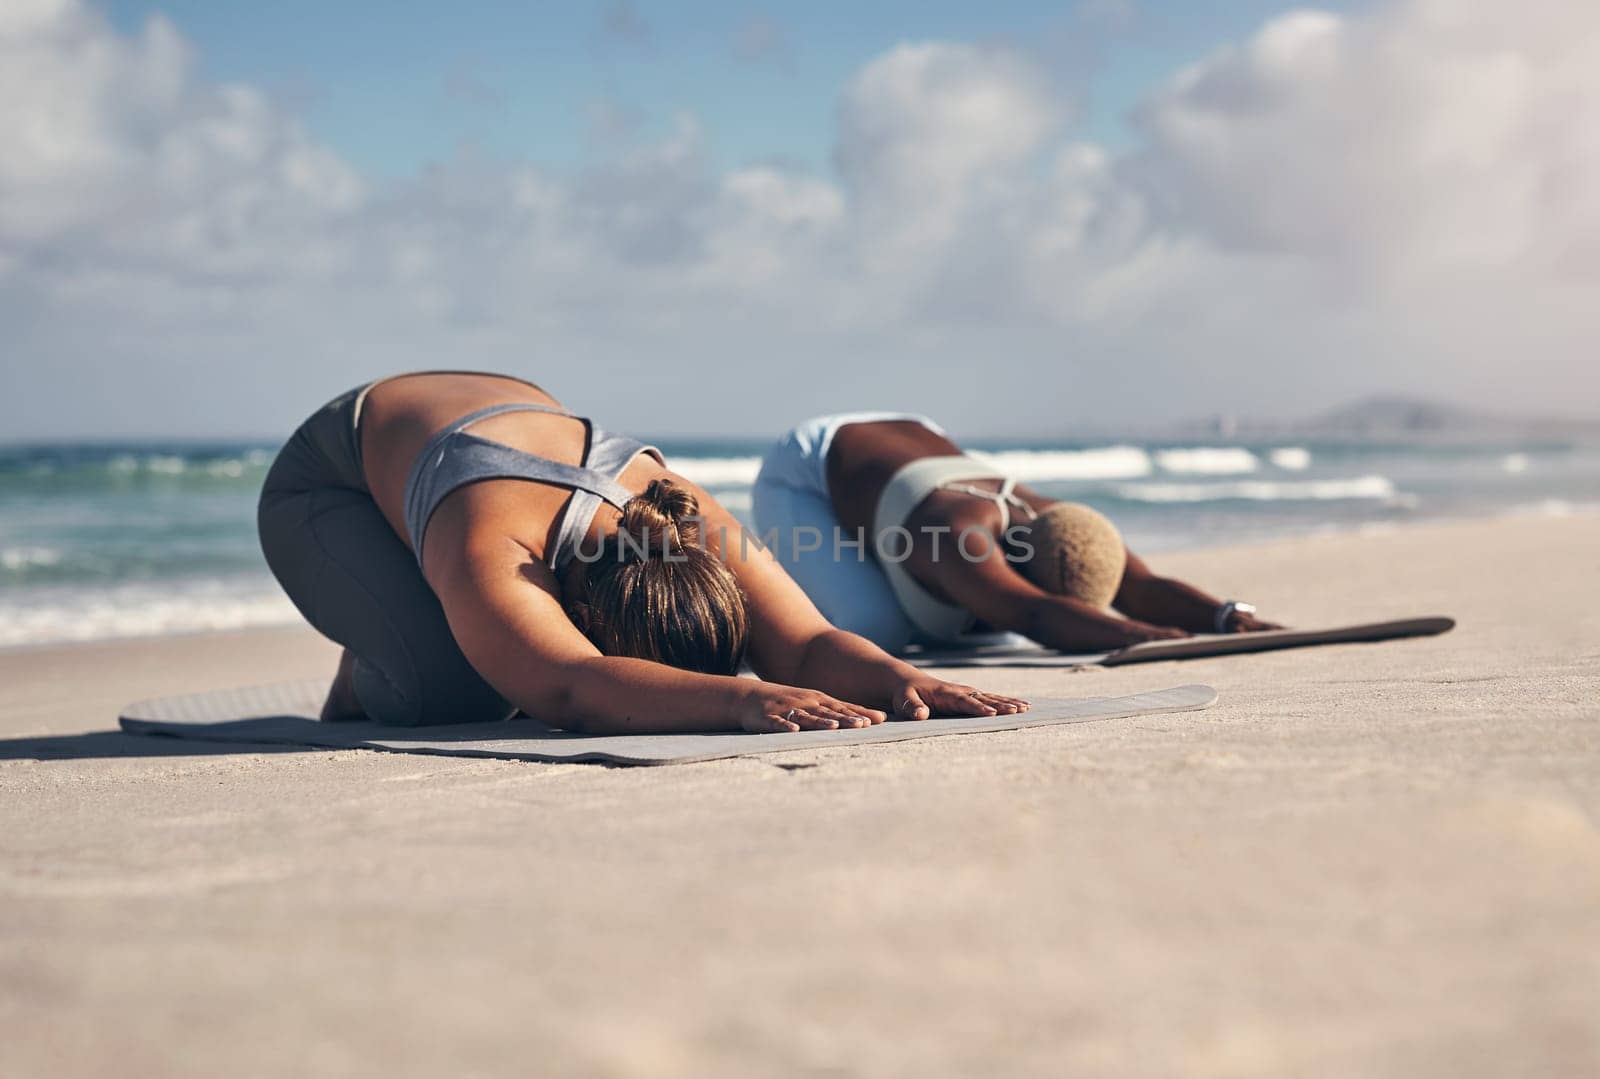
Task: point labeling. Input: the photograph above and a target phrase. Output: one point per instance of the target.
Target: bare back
(865, 456)
(401, 414)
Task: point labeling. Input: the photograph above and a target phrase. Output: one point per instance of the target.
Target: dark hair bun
(661, 519)
(664, 597)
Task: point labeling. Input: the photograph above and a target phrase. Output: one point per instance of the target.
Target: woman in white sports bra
(478, 550)
(899, 535)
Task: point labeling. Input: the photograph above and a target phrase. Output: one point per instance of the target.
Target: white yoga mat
(1206, 644)
(285, 713)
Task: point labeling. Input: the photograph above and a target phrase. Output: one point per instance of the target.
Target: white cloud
(1432, 171)
(926, 129)
(1406, 200)
(1425, 139)
(114, 153)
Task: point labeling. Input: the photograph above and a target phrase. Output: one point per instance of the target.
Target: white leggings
(791, 497)
(847, 583)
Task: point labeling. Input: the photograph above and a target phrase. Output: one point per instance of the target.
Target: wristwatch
(1225, 612)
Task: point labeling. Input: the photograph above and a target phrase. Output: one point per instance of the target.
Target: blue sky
(395, 86)
(713, 218)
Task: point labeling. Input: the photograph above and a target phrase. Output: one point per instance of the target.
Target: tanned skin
(485, 559)
(863, 458)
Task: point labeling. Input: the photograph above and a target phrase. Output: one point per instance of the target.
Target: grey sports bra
(453, 458)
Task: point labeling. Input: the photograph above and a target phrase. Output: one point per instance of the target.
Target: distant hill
(1390, 415)
(1395, 418)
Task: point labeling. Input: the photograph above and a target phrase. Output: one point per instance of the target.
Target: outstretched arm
(791, 642)
(993, 590)
(503, 610)
(1170, 602)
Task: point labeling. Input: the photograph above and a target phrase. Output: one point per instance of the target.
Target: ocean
(102, 541)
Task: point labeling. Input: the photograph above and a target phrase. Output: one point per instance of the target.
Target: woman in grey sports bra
(479, 550)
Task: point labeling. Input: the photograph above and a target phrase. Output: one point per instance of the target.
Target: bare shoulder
(433, 399)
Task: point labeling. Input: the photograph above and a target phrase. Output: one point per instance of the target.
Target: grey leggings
(357, 583)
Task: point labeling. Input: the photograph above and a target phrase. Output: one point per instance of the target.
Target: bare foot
(342, 703)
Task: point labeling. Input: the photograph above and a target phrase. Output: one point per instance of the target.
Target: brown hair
(656, 593)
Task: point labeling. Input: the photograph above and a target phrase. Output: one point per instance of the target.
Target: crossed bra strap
(1005, 499)
(453, 458)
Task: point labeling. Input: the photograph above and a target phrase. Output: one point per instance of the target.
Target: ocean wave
(711, 472)
(1290, 458)
(1045, 466)
(163, 464)
(1378, 488)
(113, 468)
(1553, 507)
(60, 614)
(18, 559)
(1029, 466)
(158, 464)
(1208, 461)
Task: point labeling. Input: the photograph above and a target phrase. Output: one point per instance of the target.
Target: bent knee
(429, 699)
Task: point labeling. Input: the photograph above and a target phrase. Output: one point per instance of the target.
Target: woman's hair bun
(664, 597)
(661, 519)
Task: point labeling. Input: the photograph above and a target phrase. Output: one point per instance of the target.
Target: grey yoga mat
(285, 713)
(1206, 644)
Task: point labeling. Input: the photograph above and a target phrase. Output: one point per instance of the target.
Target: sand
(1367, 859)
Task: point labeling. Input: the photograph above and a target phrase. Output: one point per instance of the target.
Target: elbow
(574, 700)
(1033, 623)
(1024, 616)
(565, 717)
(557, 704)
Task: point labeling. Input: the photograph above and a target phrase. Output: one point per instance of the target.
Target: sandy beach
(1367, 859)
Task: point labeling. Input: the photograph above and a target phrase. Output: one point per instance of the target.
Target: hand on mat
(1140, 632)
(1240, 622)
(776, 709)
(924, 697)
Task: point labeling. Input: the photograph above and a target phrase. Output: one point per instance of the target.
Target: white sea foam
(1207, 461)
(126, 464)
(1101, 463)
(1553, 507)
(234, 467)
(1044, 466)
(1029, 466)
(144, 609)
(1359, 487)
(165, 464)
(20, 558)
(1291, 458)
(717, 471)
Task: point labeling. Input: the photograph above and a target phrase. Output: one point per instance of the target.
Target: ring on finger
(789, 715)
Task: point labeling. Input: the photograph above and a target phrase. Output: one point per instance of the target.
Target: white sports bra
(906, 490)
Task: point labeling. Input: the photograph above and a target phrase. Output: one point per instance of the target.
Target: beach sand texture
(1363, 860)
